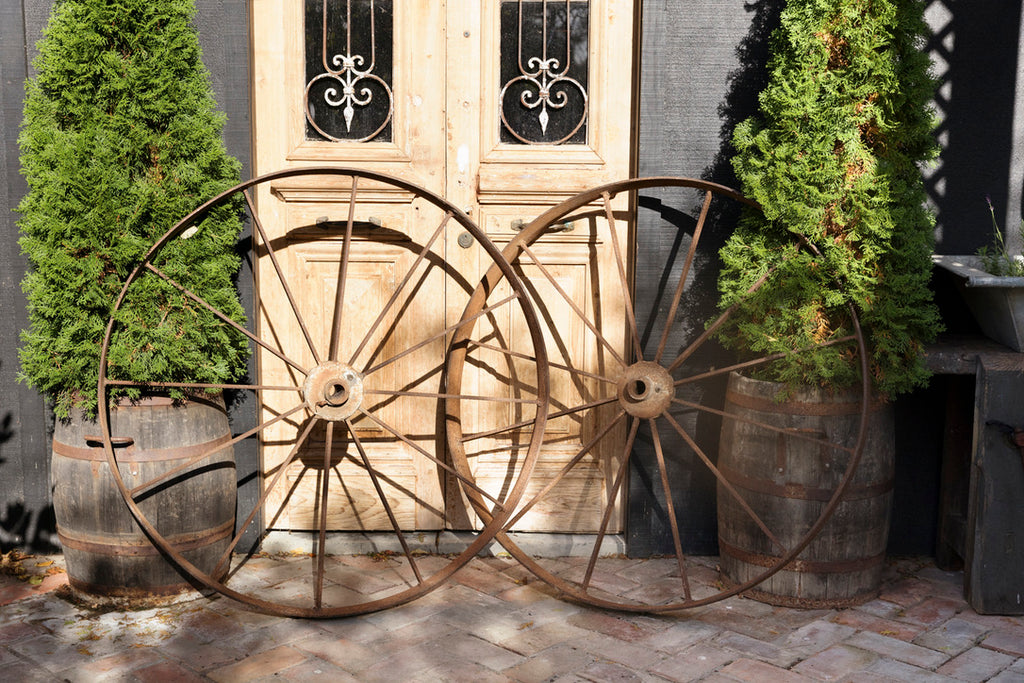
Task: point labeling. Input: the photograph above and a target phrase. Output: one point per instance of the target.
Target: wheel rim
(337, 389)
(641, 392)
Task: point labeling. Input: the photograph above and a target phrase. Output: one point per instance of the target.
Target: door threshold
(535, 544)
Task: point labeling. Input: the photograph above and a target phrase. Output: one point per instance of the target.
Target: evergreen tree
(834, 160)
(120, 140)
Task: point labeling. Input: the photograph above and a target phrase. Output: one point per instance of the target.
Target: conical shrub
(120, 140)
(834, 158)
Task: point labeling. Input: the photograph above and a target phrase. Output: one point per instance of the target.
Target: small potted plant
(992, 285)
(121, 139)
(833, 160)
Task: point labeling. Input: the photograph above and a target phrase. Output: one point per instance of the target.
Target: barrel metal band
(141, 545)
(129, 592)
(802, 492)
(132, 454)
(803, 566)
(791, 407)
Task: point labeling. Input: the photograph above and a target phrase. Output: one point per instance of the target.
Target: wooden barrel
(788, 482)
(107, 554)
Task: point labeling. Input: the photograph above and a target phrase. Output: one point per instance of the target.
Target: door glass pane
(545, 48)
(348, 70)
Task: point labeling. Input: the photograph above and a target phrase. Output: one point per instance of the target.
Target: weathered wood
(788, 482)
(957, 354)
(994, 562)
(955, 473)
(106, 552)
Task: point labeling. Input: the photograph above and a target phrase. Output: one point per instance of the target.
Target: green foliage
(834, 160)
(120, 140)
(997, 259)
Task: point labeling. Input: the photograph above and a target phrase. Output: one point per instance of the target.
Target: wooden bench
(981, 497)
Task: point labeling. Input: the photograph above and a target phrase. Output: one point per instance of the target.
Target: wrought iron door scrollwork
(348, 82)
(544, 83)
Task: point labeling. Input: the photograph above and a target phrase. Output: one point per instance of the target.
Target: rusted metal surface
(332, 394)
(644, 392)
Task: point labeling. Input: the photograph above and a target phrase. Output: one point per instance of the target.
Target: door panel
(452, 65)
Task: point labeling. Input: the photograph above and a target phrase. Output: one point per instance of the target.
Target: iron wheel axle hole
(336, 393)
(638, 389)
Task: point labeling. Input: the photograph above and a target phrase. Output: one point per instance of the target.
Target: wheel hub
(334, 391)
(646, 389)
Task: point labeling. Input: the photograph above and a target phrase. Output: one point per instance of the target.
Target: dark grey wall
(25, 516)
(25, 425)
(975, 51)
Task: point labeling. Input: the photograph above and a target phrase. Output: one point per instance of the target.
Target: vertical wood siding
(25, 515)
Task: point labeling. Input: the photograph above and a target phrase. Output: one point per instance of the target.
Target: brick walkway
(486, 625)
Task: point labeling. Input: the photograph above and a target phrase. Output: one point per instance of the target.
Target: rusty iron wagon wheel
(654, 390)
(341, 366)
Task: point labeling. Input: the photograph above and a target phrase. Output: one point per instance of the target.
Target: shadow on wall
(31, 530)
(20, 526)
(745, 84)
(974, 50)
(666, 221)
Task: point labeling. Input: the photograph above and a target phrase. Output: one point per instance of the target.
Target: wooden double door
(502, 107)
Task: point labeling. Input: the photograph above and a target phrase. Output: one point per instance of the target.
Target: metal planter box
(996, 302)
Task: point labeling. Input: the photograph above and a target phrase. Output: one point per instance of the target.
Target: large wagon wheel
(339, 388)
(656, 387)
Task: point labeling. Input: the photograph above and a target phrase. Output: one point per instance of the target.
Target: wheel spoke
(572, 304)
(620, 476)
(264, 496)
(398, 290)
(339, 292)
(566, 468)
(440, 335)
(764, 425)
(280, 277)
(557, 366)
(252, 337)
(719, 321)
(325, 480)
(527, 423)
(724, 482)
(620, 264)
(677, 297)
(461, 397)
(384, 501)
(357, 462)
(440, 463)
(210, 450)
(670, 508)
(746, 365)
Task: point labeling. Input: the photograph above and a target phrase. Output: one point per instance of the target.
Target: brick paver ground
(486, 624)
